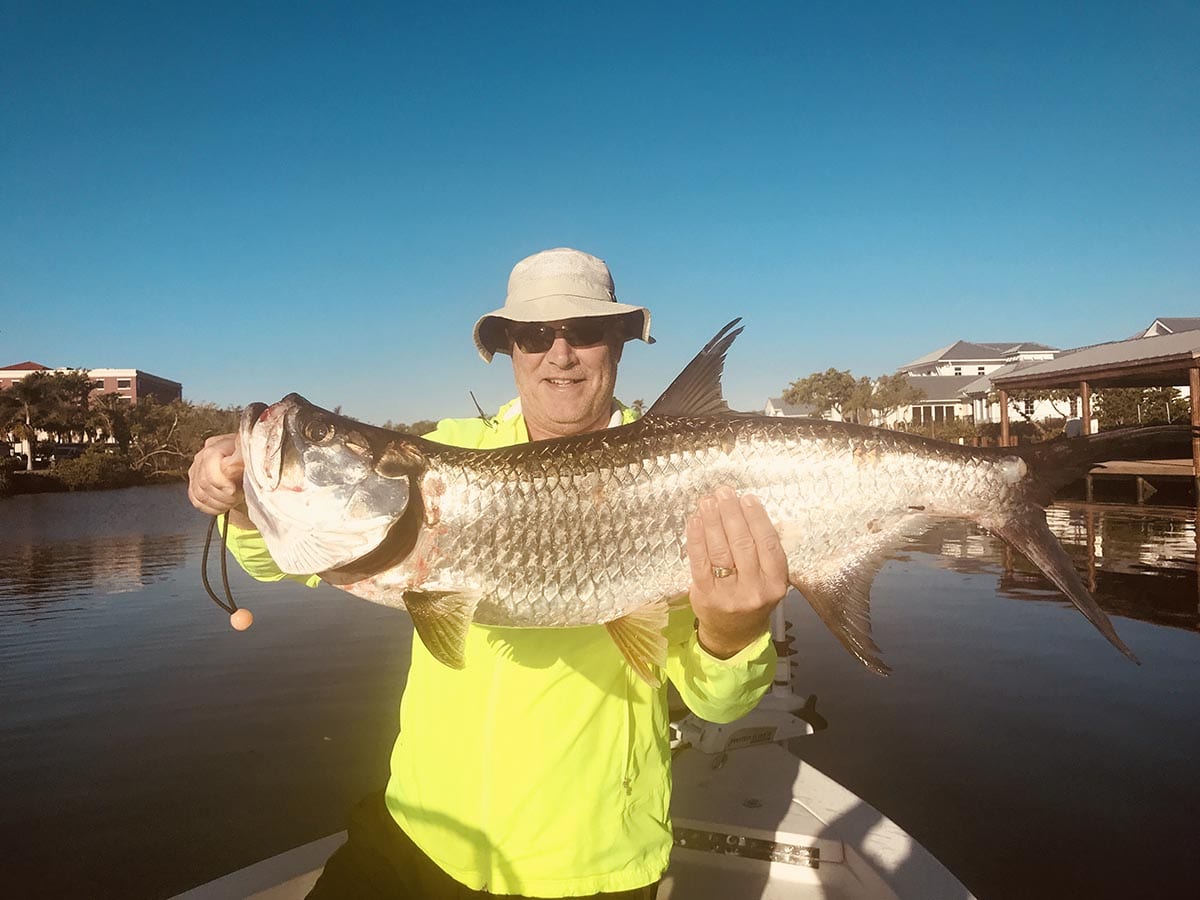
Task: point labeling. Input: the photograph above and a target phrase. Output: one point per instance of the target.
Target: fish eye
(318, 431)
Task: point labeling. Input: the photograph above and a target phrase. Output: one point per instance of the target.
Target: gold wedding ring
(723, 571)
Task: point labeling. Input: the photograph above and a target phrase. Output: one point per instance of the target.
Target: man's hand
(215, 479)
(734, 533)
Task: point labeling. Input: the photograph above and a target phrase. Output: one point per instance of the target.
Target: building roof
(792, 409)
(984, 383)
(966, 351)
(941, 388)
(1170, 326)
(26, 367)
(1139, 362)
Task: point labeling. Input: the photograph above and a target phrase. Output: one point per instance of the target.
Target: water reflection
(125, 697)
(1138, 562)
(35, 577)
(60, 553)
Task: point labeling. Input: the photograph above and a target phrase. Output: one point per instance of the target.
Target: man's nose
(561, 353)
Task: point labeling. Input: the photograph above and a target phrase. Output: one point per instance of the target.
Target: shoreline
(44, 481)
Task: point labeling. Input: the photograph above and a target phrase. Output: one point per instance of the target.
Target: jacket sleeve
(250, 551)
(719, 690)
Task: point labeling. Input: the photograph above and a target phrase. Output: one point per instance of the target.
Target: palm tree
(40, 402)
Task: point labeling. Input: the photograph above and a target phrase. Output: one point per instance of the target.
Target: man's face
(567, 390)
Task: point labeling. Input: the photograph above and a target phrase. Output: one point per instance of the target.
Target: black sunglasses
(538, 337)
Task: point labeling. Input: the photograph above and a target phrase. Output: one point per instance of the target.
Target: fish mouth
(263, 429)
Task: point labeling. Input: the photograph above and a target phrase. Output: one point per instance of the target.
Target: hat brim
(490, 336)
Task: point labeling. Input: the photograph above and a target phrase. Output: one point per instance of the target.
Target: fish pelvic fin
(441, 619)
(641, 636)
(696, 391)
(1028, 533)
(843, 603)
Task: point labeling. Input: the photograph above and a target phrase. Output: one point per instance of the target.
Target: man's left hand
(734, 533)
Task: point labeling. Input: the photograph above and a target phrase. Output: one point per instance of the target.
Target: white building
(953, 376)
(777, 406)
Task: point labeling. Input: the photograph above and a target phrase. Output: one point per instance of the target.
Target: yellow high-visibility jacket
(543, 767)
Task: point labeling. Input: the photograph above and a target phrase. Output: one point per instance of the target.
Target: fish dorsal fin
(696, 391)
(843, 603)
(441, 619)
(641, 636)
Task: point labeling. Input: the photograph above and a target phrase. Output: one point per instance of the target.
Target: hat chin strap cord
(239, 618)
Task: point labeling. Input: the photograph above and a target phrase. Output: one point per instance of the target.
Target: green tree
(858, 404)
(1123, 407)
(165, 436)
(891, 392)
(828, 390)
(108, 417)
(67, 417)
(40, 402)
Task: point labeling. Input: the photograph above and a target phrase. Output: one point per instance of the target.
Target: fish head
(324, 490)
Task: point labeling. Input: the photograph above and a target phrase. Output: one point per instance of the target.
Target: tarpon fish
(589, 529)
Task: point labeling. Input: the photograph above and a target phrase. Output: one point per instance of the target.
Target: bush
(96, 468)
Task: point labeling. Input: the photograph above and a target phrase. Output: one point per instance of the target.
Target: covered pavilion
(1163, 360)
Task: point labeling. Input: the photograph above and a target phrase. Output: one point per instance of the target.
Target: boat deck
(740, 833)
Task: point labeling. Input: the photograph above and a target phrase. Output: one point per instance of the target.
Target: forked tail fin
(1056, 463)
(1029, 534)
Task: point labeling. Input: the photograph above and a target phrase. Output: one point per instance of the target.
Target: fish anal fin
(441, 619)
(641, 636)
(843, 603)
(1028, 533)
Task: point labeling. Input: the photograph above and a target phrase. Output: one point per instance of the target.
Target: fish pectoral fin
(441, 619)
(1028, 533)
(641, 636)
(843, 603)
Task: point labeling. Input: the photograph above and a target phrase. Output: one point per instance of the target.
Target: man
(542, 769)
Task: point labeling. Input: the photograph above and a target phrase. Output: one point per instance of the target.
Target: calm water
(146, 747)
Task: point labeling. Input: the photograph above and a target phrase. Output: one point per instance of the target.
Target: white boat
(731, 842)
(740, 832)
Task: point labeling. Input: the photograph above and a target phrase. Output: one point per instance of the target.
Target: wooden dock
(1142, 476)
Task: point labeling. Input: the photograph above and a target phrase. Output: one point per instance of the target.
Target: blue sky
(254, 199)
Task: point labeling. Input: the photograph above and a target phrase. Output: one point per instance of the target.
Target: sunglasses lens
(533, 338)
(584, 333)
(538, 338)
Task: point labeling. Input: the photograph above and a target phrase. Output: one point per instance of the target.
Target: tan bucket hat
(557, 284)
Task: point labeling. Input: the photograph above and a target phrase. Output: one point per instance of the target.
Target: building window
(1029, 408)
(98, 384)
(1074, 407)
(958, 370)
(123, 383)
(981, 372)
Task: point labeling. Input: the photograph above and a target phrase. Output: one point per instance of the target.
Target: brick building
(132, 384)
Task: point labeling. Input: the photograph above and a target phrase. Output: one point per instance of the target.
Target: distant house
(130, 384)
(1170, 326)
(952, 377)
(777, 406)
